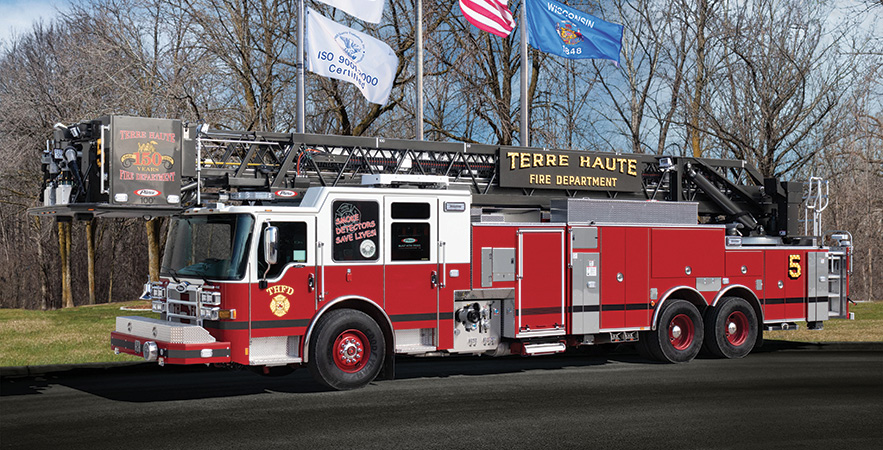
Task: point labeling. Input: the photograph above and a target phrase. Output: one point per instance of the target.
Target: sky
(17, 16)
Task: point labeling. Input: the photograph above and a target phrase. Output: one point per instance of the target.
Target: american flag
(492, 16)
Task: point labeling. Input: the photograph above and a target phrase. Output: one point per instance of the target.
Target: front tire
(679, 333)
(348, 350)
(731, 328)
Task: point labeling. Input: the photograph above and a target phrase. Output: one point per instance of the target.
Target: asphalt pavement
(787, 395)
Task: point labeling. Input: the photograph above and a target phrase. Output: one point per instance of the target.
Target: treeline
(791, 86)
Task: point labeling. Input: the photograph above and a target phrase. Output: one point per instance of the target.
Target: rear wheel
(731, 328)
(347, 351)
(679, 333)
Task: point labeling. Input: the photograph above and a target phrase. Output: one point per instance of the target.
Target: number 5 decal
(794, 267)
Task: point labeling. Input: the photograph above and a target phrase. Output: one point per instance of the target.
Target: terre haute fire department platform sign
(145, 160)
(573, 170)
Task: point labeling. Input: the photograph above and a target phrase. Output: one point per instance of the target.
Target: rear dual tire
(731, 328)
(678, 335)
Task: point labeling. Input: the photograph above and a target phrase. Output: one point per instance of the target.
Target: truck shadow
(145, 383)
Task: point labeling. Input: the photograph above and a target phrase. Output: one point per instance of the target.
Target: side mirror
(271, 238)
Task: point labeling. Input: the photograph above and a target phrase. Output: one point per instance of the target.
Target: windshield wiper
(172, 272)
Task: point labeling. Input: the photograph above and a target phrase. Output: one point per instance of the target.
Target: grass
(867, 327)
(64, 336)
(82, 334)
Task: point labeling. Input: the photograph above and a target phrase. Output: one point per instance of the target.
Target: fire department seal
(279, 305)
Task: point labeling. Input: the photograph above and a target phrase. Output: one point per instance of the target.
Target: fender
(328, 306)
(665, 298)
(723, 292)
(753, 301)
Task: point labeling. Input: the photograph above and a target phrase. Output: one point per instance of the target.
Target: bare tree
(485, 68)
(780, 78)
(642, 49)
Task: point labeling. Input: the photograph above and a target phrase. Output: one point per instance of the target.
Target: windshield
(213, 246)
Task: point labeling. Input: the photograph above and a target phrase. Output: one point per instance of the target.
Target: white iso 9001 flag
(367, 10)
(341, 52)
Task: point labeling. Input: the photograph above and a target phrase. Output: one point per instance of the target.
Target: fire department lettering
(279, 303)
(527, 160)
(569, 170)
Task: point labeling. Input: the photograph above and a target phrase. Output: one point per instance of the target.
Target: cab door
(411, 262)
(281, 311)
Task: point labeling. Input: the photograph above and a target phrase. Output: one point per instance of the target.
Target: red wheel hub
(681, 332)
(737, 328)
(351, 351)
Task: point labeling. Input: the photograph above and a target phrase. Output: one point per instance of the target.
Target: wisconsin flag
(340, 52)
(492, 16)
(367, 10)
(564, 31)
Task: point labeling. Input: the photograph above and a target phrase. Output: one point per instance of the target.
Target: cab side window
(355, 224)
(292, 247)
(410, 232)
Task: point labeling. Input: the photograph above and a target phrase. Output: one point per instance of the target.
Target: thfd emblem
(279, 303)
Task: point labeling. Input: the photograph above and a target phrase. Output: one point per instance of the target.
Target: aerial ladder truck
(337, 253)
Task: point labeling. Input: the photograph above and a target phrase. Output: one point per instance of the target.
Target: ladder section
(119, 166)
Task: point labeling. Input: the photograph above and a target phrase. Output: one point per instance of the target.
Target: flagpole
(419, 21)
(300, 67)
(525, 126)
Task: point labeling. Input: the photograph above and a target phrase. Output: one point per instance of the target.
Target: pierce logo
(285, 193)
(409, 240)
(147, 192)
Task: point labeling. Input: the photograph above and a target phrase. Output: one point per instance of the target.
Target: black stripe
(260, 324)
(585, 308)
(122, 344)
(413, 317)
(539, 311)
(626, 307)
(181, 354)
(218, 325)
(637, 306)
(263, 324)
(782, 301)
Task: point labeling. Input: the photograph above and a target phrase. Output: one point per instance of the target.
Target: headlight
(210, 313)
(210, 298)
(157, 291)
(158, 306)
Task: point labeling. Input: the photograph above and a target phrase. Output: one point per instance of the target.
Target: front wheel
(347, 351)
(731, 328)
(679, 333)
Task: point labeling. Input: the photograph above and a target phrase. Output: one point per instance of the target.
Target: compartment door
(539, 296)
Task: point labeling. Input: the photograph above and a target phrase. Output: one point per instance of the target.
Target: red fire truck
(338, 253)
